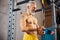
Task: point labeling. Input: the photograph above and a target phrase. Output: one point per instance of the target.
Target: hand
(52, 32)
(40, 30)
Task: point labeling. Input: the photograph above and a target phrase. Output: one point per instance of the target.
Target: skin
(28, 23)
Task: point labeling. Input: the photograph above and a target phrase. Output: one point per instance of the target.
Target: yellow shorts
(30, 37)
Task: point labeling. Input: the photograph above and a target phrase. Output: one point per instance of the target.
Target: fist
(40, 30)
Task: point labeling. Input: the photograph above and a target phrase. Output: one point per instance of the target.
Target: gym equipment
(17, 9)
(54, 18)
(26, 1)
(11, 22)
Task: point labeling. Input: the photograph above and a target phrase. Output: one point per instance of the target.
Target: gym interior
(47, 13)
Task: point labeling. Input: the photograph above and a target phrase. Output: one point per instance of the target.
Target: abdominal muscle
(32, 25)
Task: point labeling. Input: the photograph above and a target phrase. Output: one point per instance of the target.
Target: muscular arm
(24, 28)
(23, 25)
(29, 30)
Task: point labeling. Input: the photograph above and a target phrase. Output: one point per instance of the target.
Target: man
(28, 22)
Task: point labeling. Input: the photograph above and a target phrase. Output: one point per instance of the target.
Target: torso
(31, 22)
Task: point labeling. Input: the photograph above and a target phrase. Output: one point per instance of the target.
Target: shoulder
(23, 16)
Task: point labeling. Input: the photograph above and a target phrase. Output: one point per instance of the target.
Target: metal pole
(11, 23)
(54, 18)
(43, 15)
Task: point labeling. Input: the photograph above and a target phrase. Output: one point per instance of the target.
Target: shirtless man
(28, 22)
